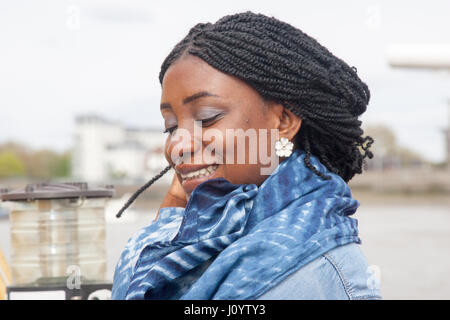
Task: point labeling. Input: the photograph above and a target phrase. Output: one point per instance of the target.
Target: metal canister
(57, 230)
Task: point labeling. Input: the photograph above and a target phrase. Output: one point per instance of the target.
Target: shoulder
(341, 273)
(162, 230)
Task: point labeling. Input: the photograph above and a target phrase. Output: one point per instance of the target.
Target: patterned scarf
(238, 241)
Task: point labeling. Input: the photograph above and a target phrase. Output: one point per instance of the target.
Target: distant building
(447, 142)
(105, 150)
(388, 154)
(447, 138)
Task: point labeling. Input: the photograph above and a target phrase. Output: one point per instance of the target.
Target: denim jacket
(340, 274)
(283, 240)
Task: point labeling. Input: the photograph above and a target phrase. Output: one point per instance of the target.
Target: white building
(105, 150)
(447, 139)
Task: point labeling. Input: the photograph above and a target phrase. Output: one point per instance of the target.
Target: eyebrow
(191, 98)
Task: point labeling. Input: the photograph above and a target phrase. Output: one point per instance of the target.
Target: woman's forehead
(191, 75)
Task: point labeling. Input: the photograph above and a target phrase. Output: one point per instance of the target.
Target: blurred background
(79, 96)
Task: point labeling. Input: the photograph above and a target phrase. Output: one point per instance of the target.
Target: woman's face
(207, 114)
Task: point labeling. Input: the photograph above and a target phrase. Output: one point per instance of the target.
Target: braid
(142, 189)
(285, 65)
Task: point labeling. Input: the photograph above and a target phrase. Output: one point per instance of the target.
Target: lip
(189, 185)
(186, 168)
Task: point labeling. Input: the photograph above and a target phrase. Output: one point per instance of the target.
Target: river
(408, 244)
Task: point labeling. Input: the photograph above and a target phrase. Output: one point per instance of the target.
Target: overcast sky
(62, 58)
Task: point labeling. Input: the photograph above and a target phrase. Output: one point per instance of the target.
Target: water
(410, 245)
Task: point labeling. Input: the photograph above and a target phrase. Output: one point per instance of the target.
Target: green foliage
(10, 165)
(18, 160)
(61, 166)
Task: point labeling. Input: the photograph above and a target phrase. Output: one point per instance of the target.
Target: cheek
(167, 154)
(242, 156)
(243, 174)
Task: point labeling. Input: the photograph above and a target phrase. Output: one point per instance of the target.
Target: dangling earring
(283, 147)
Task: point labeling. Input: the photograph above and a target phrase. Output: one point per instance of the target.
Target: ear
(287, 123)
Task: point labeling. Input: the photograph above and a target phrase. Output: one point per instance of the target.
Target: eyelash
(172, 129)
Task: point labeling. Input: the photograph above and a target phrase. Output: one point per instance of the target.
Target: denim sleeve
(340, 274)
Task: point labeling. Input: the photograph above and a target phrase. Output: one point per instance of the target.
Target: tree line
(18, 160)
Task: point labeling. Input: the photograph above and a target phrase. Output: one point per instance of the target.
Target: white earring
(283, 147)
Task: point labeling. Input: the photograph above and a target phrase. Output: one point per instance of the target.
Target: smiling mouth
(201, 173)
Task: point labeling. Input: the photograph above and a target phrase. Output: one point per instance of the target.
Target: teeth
(200, 173)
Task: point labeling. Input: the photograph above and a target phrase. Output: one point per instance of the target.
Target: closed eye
(205, 122)
(170, 130)
(209, 121)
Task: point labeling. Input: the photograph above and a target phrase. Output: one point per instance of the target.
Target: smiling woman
(242, 220)
(195, 91)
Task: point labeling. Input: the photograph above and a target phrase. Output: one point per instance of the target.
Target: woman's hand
(175, 196)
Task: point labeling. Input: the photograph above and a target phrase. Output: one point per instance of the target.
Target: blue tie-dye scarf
(238, 241)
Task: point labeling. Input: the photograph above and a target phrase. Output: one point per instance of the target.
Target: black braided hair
(142, 189)
(285, 65)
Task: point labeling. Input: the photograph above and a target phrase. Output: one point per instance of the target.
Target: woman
(236, 226)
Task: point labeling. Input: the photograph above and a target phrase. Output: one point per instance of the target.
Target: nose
(184, 144)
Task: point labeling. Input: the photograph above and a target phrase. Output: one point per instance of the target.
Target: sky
(60, 59)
